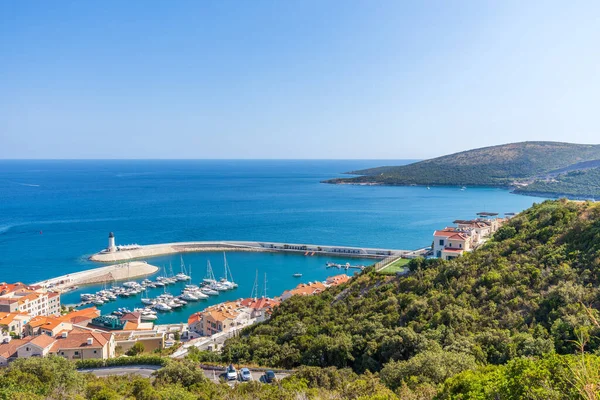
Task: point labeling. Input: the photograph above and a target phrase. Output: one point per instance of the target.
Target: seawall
(190, 247)
(118, 272)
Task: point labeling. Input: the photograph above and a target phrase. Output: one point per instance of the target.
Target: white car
(231, 373)
(245, 375)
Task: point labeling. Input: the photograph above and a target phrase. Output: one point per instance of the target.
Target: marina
(242, 270)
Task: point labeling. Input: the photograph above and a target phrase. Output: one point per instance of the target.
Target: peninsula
(547, 169)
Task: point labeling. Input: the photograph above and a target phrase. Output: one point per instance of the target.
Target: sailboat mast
(265, 292)
(254, 293)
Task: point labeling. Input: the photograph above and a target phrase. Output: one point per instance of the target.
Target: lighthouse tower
(111, 243)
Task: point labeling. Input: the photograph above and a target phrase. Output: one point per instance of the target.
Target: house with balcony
(451, 243)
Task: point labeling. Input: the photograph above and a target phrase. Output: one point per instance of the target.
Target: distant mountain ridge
(514, 165)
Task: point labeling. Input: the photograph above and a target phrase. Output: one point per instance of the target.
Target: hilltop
(514, 165)
(520, 297)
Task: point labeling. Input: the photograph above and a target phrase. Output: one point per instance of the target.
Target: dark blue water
(54, 214)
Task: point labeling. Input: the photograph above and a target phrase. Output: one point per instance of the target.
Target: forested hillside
(502, 166)
(576, 184)
(525, 294)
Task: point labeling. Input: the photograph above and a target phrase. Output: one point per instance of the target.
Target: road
(147, 370)
(142, 370)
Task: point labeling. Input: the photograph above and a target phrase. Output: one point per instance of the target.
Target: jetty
(111, 273)
(117, 254)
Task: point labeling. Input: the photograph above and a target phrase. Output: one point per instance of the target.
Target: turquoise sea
(54, 214)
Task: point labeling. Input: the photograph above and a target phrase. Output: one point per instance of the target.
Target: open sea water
(55, 214)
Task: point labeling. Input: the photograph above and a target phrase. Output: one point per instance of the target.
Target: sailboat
(146, 300)
(210, 276)
(182, 275)
(224, 281)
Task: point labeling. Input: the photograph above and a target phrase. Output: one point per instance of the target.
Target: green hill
(521, 295)
(504, 166)
(581, 184)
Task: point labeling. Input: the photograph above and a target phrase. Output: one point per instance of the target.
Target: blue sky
(294, 79)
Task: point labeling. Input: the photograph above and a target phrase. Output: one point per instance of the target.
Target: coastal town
(35, 323)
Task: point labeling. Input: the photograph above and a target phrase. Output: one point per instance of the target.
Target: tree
(136, 349)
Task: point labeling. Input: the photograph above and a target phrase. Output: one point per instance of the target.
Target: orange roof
(43, 341)
(53, 294)
(221, 315)
(130, 326)
(29, 297)
(81, 315)
(259, 304)
(78, 339)
(445, 232)
(194, 318)
(10, 317)
(449, 250)
(53, 323)
(307, 289)
(337, 279)
(38, 321)
(9, 349)
(133, 316)
(10, 287)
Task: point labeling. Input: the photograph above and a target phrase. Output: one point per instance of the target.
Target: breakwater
(111, 273)
(154, 250)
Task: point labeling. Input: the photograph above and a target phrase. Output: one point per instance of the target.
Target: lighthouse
(111, 243)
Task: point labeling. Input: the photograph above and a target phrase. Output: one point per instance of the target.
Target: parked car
(270, 377)
(245, 375)
(231, 373)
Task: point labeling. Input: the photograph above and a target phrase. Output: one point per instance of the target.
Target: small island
(545, 169)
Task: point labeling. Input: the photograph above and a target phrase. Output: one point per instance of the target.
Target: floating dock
(154, 250)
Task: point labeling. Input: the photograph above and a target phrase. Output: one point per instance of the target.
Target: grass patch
(394, 267)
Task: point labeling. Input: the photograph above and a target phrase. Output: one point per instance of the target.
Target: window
(76, 353)
(26, 348)
(449, 244)
(460, 245)
(441, 242)
(95, 351)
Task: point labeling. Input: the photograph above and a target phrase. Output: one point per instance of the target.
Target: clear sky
(294, 79)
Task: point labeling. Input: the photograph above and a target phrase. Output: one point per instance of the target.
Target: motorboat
(297, 275)
(162, 307)
(148, 317)
(209, 291)
(189, 296)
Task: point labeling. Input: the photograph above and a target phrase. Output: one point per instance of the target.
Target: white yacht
(162, 307)
(189, 297)
(228, 284)
(209, 291)
(148, 317)
(182, 276)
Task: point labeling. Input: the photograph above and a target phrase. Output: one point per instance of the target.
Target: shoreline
(110, 273)
(154, 250)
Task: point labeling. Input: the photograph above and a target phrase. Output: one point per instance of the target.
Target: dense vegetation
(550, 377)
(515, 319)
(490, 166)
(521, 295)
(576, 184)
(56, 378)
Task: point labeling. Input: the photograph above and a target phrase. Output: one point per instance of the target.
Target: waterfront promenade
(111, 273)
(154, 250)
